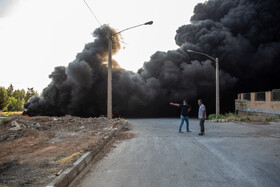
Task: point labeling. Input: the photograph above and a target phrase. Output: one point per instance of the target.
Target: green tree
(15, 104)
(19, 94)
(4, 98)
(20, 103)
(12, 104)
(30, 92)
(10, 90)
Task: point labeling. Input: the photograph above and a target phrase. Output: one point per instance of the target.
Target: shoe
(180, 132)
(201, 134)
(189, 131)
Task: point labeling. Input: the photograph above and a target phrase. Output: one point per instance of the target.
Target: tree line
(13, 100)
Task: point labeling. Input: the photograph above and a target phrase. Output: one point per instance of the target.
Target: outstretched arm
(174, 104)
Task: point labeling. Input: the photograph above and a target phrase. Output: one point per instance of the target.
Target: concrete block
(79, 164)
(61, 181)
(87, 157)
(94, 152)
(102, 144)
(99, 147)
(71, 173)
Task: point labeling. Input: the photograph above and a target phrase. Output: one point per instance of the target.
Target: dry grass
(248, 118)
(68, 159)
(7, 114)
(53, 170)
(232, 118)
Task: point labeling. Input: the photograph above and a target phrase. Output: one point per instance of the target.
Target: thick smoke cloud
(242, 33)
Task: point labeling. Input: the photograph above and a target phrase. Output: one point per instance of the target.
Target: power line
(93, 14)
(98, 20)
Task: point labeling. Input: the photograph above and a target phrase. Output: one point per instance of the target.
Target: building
(259, 102)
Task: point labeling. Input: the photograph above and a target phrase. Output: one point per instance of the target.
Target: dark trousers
(201, 123)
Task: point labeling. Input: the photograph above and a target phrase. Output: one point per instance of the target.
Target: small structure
(259, 102)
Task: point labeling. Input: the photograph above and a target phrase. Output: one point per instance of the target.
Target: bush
(238, 115)
(5, 120)
(233, 117)
(212, 116)
(243, 119)
(272, 118)
(229, 114)
(221, 116)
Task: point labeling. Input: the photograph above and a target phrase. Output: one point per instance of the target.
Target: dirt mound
(34, 149)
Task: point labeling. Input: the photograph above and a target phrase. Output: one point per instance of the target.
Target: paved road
(230, 154)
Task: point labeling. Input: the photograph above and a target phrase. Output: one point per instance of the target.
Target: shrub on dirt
(212, 116)
(5, 120)
(271, 118)
(233, 118)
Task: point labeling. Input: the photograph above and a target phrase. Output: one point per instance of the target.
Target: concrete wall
(267, 106)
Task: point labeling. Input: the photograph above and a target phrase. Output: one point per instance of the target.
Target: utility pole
(109, 89)
(217, 89)
(217, 80)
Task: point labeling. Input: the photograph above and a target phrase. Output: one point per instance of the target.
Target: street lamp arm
(191, 51)
(217, 80)
(148, 23)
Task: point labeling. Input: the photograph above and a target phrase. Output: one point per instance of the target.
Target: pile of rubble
(31, 148)
(19, 124)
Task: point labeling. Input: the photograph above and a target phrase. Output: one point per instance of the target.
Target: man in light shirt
(201, 117)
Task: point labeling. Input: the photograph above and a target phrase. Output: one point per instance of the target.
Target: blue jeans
(186, 118)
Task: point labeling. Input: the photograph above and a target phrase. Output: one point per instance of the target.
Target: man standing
(185, 109)
(201, 116)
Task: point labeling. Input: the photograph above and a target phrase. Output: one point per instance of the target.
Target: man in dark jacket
(185, 109)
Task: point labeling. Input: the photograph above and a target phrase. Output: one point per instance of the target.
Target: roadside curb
(68, 175)
(218, 120)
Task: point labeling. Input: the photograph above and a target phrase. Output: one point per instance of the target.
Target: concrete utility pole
(217, 89)
(109, 90)
(217, 80)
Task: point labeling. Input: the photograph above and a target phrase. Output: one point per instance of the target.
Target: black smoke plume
(243, 34)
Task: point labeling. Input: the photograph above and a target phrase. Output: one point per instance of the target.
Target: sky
(38, 35)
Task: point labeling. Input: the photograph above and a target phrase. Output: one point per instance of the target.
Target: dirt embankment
(34, 149)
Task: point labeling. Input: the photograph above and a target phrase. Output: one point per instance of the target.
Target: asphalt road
(230, 154)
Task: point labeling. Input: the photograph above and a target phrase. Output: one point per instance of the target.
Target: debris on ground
(33, 150)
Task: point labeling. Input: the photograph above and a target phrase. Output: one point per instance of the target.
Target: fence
(276, 95)
(260, 102)
(247, 96)
(260, 96)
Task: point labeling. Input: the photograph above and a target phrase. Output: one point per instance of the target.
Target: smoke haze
(242, 33)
